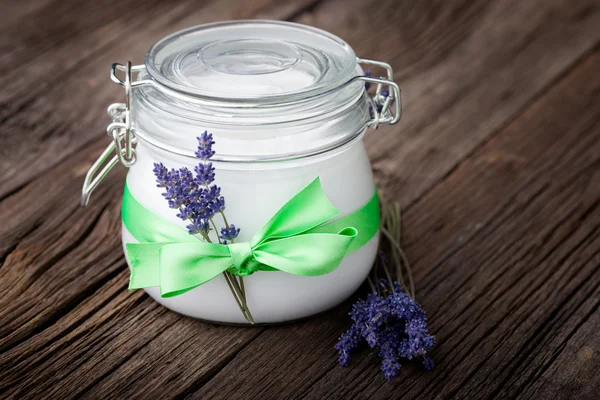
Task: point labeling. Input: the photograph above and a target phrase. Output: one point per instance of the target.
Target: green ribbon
(299, 239)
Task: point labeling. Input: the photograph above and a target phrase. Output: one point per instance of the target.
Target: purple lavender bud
(348, 341)
(385, 92)
(184, 213)
(389, 364)
(215, 202)
(428, 363)
(213, 193)
(229, 234)
(219, 204)
(193, 194)
(371, 338)
(368, 74)
(205, 143)
(390, 368)
(192, 230)
(205, 174)
(199, 226)
(161, 173)
(379, 107)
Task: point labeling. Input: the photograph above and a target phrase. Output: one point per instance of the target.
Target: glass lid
(252, 61)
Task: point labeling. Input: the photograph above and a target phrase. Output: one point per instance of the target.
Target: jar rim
(251, 62)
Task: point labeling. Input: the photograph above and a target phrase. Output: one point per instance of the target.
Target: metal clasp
(381, 102)
(123, 138)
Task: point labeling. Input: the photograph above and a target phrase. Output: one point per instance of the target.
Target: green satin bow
(298, 240)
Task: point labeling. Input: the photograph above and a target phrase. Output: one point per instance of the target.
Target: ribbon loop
(241, 254)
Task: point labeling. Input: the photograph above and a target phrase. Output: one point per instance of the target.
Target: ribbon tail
(144, 262)
(184, 266)
(307, 255)
(365, 220)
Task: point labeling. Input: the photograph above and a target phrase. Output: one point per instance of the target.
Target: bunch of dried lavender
(390, 319)
(198, 201)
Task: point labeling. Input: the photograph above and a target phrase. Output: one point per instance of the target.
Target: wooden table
(496, 163)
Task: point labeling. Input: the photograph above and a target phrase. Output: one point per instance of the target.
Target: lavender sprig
(389, 319)
(198, 200)
(394, 323)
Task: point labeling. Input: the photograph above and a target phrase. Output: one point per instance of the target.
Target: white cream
(252, 197)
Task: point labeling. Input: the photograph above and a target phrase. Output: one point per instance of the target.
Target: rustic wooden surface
(496, 163)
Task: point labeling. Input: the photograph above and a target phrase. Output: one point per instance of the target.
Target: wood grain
(496, 161)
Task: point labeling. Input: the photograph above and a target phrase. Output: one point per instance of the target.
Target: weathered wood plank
(517, 236)
(571, 371)
(60, 23)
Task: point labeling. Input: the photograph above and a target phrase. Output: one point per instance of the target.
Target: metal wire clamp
(123, 143)
(382, 114)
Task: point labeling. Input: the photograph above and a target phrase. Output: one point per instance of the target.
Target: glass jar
(286, 103)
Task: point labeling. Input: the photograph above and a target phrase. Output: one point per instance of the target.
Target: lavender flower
(198, 201)
(205, 173)
(205, 143)
(193, 194)
(384, 92)
(428, 363)
(229, 234)
(368, 74)
(348, 341)
(394, 323)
